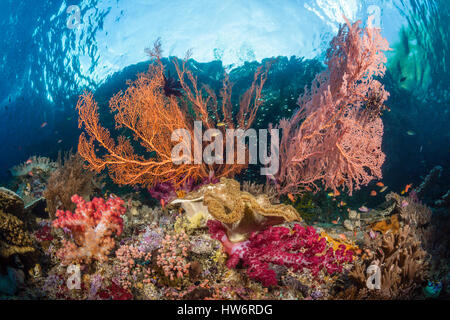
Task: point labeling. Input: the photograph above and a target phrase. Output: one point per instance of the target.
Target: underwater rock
(10, 282)
(429, 182)
(11, 202)
(37, 207)
(444, 201)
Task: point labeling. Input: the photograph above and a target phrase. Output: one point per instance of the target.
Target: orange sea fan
(152, 116)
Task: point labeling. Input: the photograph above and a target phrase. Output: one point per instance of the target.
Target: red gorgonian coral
(335, 137)
(92, 227)
(295, 248)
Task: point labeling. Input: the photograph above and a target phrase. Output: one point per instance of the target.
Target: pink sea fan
(335, 137)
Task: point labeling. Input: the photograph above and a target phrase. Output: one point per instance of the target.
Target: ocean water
(53, 51)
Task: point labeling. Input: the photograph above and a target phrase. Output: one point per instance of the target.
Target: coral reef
(399, 252)
(183, 230)
(68, 179)
(403, 264)
(172, 256)
(43, 164)
(14, 239)
(92, 227)
(132, 266)
(11, 202)
(298, 248)
(30, 178)
(390, 224)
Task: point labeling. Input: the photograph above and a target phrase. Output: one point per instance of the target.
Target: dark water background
(41, 80)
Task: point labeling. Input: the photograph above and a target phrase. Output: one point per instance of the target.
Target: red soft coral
(92, 227)
(298, 248)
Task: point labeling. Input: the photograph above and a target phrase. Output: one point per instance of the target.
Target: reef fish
(342, 204)
(407, 187)
(410, 133)
(334, 194)
(373, 193)
(291, 197)
(380, 184)
(363, 209)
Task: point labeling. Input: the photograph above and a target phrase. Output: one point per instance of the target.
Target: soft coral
(296, 248)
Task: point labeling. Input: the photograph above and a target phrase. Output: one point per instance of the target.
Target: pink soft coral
(92, 227)
(298, 248)
(335, 137)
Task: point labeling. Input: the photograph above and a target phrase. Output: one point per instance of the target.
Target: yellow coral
(219, 256)
(336, 243)
(383, 226)
(190, 223)
(15, 239)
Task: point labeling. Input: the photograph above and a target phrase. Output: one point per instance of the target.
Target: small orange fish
(337, 193)
(291, 197)
(29, 161)
(342, 236)
(373, 193)
(342, 204)
(43, 124)
(336, 221)
(30, 174)
(380, 184)
(408, 186)
(162, 203)
(308, 189)
(358, 252)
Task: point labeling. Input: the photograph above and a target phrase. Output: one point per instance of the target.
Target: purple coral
(151, 240)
